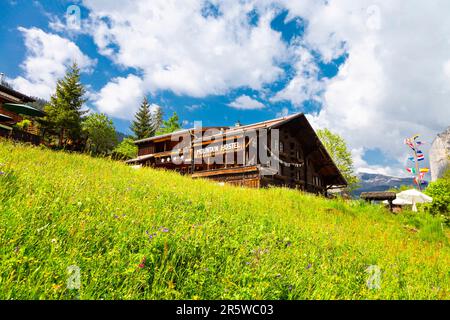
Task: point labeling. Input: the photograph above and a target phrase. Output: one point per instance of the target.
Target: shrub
(125, 150)
(24, 124)
(440, 192)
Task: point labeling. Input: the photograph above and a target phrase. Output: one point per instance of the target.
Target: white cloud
(48, 55)
(194, 107)
(283, 113)
(178, 49)
(305, 84)
(395, 81)
(362, 166)
(246, 103)
(447, 69)
(121, 97)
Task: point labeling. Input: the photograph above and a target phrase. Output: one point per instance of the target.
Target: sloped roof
(16, 94)
(305, 133)
(230, 130)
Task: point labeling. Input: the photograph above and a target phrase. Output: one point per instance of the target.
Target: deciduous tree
(170, 125)
(337, 148)
(100, 133)
(125, 150)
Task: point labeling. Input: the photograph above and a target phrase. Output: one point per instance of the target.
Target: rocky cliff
(439, 154)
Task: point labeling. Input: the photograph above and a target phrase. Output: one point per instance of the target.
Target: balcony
(19, 135)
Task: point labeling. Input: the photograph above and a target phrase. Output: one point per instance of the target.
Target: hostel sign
(233, 146)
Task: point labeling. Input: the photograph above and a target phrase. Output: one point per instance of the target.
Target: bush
(24, 124)
(125, 150)
(440, 192)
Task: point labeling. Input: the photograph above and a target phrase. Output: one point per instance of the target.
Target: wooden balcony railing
(23, 136)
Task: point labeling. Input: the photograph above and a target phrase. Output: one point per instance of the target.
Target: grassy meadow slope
(147, 234)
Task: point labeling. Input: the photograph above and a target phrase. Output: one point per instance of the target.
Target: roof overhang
(314, 148)
(163, 136)
(15, 95)
(4, 117)
(24, 109)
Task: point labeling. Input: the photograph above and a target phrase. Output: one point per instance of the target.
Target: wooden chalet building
(280, 152)
(12, 111)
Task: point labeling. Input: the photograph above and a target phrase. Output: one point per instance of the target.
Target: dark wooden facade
(280, 152)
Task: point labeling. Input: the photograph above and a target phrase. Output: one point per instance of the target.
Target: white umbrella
(399, 202)
(414, 196)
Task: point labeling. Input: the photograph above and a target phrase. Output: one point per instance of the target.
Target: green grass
(59, 209)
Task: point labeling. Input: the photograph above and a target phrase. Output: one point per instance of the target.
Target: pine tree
(65, 113)
(157, 120)
(142, 125)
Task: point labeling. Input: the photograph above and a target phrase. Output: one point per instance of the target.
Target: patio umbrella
(399, 202)
(24, 109)
(414, 197)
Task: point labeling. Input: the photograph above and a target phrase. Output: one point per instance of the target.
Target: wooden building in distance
(279, 152)
(13, 110)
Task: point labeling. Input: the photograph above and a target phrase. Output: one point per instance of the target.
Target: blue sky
(221, 63)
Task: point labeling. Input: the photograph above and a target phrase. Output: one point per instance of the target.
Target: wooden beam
(225, 171)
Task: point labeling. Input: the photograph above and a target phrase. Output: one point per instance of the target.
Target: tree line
(69, 125)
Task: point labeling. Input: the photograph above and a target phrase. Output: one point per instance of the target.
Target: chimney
(237, 124)
(2, 76)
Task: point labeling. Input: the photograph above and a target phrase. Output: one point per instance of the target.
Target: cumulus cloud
(395, 81)
(48, 56)
(244, 102)
(121, 97)
(305, 84)
(283, 112)
(180, 46)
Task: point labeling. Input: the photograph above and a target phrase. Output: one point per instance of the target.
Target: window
(316, 181)
(159, 147)
(281, 147)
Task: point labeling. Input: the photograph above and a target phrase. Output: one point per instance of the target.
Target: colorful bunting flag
(411, 170)
(418, 159)
(419, 173)
(409, 143)
(422, 182)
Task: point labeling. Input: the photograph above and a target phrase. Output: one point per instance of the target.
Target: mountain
(379, 182)
(439, 154)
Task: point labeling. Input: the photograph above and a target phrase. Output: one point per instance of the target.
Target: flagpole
(419, 182)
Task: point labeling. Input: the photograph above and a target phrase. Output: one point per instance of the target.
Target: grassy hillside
(146, 234)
